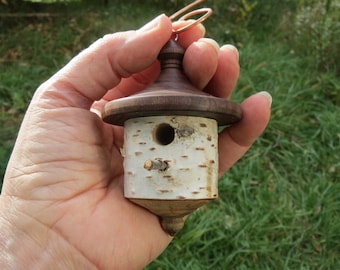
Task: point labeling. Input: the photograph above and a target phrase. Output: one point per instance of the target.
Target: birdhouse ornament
(171, 138)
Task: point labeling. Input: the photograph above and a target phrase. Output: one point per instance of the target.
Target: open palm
(63, 189)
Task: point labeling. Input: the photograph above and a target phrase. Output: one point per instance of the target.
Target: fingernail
(268, 96)
(153, 24)
(211, 42)
(233, 48)
(202, 28)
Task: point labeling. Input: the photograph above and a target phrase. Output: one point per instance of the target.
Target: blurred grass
(279, 206)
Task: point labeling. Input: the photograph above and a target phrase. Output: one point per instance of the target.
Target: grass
(279, 206)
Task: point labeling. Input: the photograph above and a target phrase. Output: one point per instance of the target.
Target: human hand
(62, 203)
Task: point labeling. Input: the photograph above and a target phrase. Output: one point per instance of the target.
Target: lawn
(279, 206)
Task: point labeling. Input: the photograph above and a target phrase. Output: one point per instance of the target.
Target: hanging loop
(205, 11)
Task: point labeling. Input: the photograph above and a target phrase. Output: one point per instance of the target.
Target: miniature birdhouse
(171, 142)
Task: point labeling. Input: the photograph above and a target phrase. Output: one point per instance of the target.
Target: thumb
(94, 71)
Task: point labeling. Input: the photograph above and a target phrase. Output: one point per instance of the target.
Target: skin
(62, 203)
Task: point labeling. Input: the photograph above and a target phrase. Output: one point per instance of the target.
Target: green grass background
(279, 206)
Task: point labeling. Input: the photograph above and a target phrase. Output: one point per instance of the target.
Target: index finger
(140, 80)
